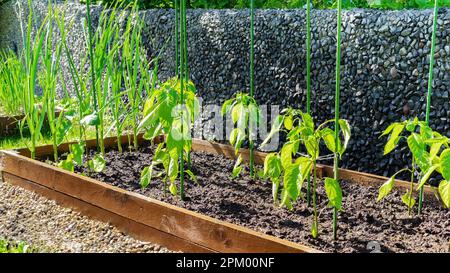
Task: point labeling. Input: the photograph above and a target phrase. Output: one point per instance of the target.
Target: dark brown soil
(364, 225)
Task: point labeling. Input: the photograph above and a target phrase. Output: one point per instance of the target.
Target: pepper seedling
(245, 114)
(424, 145)
(164, 115)
(291, 167)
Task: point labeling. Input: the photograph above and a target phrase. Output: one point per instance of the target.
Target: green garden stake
(91, 58)
(252, 78)
(336, 105)
(177, 33)
(430, 86)
(308, 80)
(182, 85)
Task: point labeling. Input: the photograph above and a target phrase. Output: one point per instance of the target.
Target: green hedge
(282, 4)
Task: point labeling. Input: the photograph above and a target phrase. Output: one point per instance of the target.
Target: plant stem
(337, 101)
(252, 78)
(430, 85)
(411, 188)
(308, 192)
(315, 220)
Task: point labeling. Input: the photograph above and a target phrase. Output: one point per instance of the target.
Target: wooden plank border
(190, 226)
(137, 230)
(168, 225)
(8, 124)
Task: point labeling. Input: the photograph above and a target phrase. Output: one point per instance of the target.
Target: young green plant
(245, 114)
(424, 145)
(293, 167)
(164, 115)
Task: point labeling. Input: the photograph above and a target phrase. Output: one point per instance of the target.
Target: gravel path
(26, 216)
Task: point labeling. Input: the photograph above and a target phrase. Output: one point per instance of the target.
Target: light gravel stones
(26, 216)
(385, 62)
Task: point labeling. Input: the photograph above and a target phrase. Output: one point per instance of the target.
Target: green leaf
(426, 176)
(77, 150)
(334, 193)
(91, 120)
(444, 191)
(426, 132)
(346, 131)
(173, 189)
(312, 146)
(276, 127)
(192, 176)
(307, 120)
(236, 112)
(411, 125)
(328, 137)
(291, 177)
(237, 167)
(173, 169)
(286, 200)
(62, 130)
(275, 188)
(254, 114)
(445, 163)
(408, 199)
(389, 129)
(146, 176)
(418, 149)
(97, 164)
(288, 122)
(394, 138)
(305, 165)
(286, 154)
(386, 188)
(226, 106)
(435, 148)
(67, 164)
(272, 166)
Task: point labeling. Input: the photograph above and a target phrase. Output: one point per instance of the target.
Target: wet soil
(364, 225)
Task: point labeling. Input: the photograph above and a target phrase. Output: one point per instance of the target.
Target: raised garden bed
(217, 218)
(9, 125)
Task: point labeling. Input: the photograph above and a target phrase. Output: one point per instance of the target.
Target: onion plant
(51, 62)
(101, 49)
(425, 146)
(134, 65)
(11, 83)
(292, 168)
(164, 115)
(34, 113)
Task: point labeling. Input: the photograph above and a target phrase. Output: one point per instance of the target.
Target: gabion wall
(384, 66)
